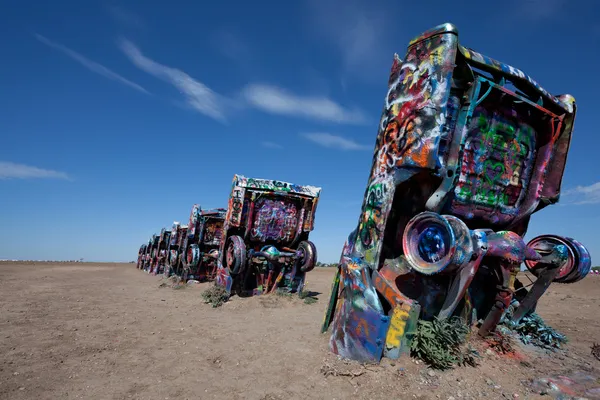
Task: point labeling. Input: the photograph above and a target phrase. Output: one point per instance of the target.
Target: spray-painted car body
(151, 253)
(176, 251)
(265, 238)
(147, 253)
(204, 233)
(467, 150)
(141, 256)
(159, 257)
(173, 249)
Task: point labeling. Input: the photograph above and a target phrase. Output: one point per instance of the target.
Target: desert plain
(111, 331)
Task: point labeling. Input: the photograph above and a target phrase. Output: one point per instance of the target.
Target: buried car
(265, 236)
(468, 148)
(141, 256)
(173, 249)
(151, 253)
(176, 252)
(203, 240)
(159, 259)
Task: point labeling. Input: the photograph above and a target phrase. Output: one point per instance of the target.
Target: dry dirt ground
(108, 331)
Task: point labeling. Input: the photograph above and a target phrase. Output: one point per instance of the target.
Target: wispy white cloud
(275, 100)
(584, 194)
(272, 145)
(267, 98)
(199, 96)
(89, 64)
(355, 28)
(335, 142)
(126, 17)
(10, 170)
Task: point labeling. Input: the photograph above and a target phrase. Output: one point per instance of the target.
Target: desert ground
(110, 331)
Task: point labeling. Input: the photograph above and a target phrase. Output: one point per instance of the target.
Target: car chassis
(265, 242)
(467, 150)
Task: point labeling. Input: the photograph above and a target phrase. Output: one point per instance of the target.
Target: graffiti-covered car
(204, 234)
(177, 250)
(468, 149)
(141, 256)
(265, 237)
(172, 249)
(145, 261)
(151, 253)
(202, 254)
(159, 257)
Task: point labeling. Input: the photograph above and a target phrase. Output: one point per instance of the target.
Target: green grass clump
(439, 343)
(281, 292)
(216, 296)
(310, 300)
(306, 295)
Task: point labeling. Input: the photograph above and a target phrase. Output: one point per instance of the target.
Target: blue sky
(116, 117)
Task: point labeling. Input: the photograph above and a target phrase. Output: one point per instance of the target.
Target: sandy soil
(108, 331)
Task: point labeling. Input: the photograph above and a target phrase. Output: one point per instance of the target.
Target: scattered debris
(596, 351)
(469, 357)
(576, 385)
(501, 343)
(331, 370)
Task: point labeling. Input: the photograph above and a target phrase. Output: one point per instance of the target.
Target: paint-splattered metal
(468, 148)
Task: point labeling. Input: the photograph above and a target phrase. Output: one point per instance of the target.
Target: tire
(577, 265)
(308, 259)
(584, 262)
(235, 255)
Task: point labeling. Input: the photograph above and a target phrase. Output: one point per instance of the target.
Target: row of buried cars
(257, 245)
(468, 150)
